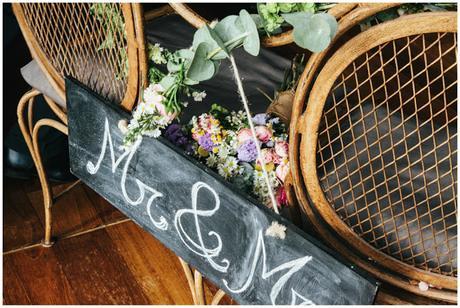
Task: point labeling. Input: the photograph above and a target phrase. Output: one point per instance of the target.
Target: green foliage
(271, 14)
(201, 68)
(312, 31)
(112, 21)
(200, 62)
(246, 24)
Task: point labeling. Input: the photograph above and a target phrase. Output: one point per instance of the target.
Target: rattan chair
(67, 39)
(373, 148)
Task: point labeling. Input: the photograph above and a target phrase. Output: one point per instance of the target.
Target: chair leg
(196, 285)
(47, 193)
(30, 135)
(27, 100)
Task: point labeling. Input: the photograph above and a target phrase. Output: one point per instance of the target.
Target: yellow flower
(269, 167)
(215, 150)
(202, 152)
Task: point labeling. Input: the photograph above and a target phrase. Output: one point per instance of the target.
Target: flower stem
(226, 44)
(253, 130)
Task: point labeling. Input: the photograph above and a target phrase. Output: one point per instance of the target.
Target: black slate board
(201, 218)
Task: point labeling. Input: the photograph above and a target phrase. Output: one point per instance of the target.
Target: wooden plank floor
(100, 256)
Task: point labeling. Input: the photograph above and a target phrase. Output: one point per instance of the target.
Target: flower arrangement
(223, 141)
(172, 74)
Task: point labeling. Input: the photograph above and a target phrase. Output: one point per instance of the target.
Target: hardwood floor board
(155, 267)
(96, 271)
(107, 212)
(15, 292)
(21, 224)
(35, 276)
(75, 211)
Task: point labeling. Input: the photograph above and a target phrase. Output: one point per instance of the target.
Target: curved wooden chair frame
(138, 72)
(304, 128)
(285, 38)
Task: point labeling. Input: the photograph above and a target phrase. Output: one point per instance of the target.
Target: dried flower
(247, 152)
(260, 119)
(281, 197)
(282, 171)
(263, 133)
(276, 230)
(244, 134)
(206, 143)
(282, 148)
(198, 96)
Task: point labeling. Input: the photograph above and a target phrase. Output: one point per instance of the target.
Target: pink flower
(282, 171)
(282, 148)
(263, 133)
(281, 197)
(162, 110)
(268, 155)
(243, 135)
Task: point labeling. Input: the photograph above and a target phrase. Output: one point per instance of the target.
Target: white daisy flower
(198, 96)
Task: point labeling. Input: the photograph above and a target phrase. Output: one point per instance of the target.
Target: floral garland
(223, 141)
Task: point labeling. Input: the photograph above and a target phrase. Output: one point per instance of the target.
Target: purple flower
(247, 151)
(173, 132)
(205, 142)
(176, 135)
(260, 119)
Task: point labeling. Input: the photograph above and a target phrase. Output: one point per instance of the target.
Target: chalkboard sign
(193, 212)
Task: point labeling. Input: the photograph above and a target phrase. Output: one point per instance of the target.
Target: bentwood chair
(101, 45)
(373, 148)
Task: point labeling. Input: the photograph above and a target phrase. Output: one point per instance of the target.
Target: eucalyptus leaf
(190, 82)
(167, 81)
(208, 36)
(228, 31)
(201, 68)
(297, 18)
(312, 32)
(173, 67)
(333, 25)
(257, 20)
(251, 43)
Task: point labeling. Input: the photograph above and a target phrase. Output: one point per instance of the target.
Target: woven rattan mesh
(387, 149)
(83, 40)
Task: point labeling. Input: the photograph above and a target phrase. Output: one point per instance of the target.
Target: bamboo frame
(303, 134)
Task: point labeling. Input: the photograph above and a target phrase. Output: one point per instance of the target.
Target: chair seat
(36, 78)
(262, 73)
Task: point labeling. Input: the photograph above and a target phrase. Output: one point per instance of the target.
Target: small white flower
(153, 133)
(156, 54)
(423, 286)
(198, 96)
(123, 126)
(276, 230)
(223, 151)
(211, 161)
